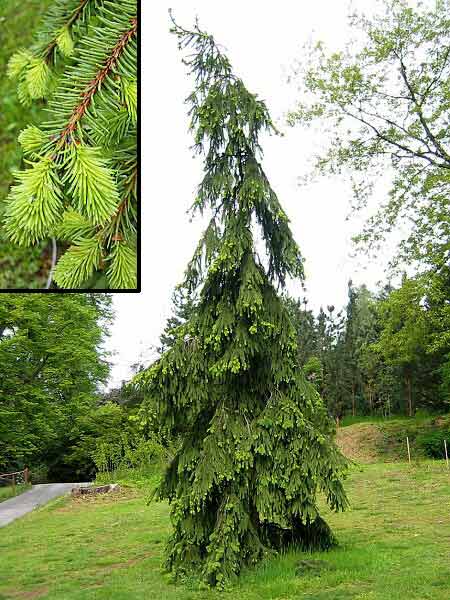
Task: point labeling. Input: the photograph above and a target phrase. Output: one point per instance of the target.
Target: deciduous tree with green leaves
(256, 442)
(403, 337)
(51, 363)
(414, 325)
(79, 184)
(387, 99)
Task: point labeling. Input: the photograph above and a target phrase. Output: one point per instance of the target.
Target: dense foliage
(105, 439)
(432, 443)
(386, 100)
(385, 353)
(80, 180)
(51, 364)
(256, 443)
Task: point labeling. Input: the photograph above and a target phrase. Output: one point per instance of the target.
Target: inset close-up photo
(266, 416)
(68, 145)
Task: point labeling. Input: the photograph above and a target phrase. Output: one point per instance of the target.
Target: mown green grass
(377, 419)
(394, 544)
(9, 491)
(19, 267)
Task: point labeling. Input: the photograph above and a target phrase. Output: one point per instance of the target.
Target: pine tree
(256, 442)
(80, 180)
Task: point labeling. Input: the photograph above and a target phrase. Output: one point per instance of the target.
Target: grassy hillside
(394, 544)
(372, 440)
(18, 267)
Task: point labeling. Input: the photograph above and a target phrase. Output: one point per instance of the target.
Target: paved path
(39, 494)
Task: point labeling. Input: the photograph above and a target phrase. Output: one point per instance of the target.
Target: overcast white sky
(262, 39)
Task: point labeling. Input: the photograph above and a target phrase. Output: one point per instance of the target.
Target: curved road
(16, 507)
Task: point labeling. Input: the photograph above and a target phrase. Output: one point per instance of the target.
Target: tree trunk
(370, 398)
(409, 393)
(353, 400)
(410, 396)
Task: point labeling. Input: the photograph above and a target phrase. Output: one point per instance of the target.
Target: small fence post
(409, 452)
(26, 475)
(14, 483)
(446, 453)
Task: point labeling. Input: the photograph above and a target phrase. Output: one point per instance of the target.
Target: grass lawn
(394, 544)
(19, 267)
(9, 492)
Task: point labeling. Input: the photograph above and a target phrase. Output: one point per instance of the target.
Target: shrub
(433, 442)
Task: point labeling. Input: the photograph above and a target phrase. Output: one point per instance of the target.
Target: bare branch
(385, 138)
(442, 152)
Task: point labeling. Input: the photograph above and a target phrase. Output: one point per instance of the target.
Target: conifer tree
(256, 442)
(79, 183)
(183, 306)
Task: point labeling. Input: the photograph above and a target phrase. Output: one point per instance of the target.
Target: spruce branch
(89, 139)
(32, 139)
(18, 62)
(32, 68)
(91, 183)
(65, 42)
(122, 221)
(34, 205)
(74, 227)
(79, 263)
(61, 40)
(37, 78)
(94, 86)
(122, 270)
(130, 97)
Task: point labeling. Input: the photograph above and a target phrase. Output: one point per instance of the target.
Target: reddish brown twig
(94, 85)
(112, 231)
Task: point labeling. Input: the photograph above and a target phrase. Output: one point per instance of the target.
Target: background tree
(438, 342)
(303, 321)
(350, 346)
(105, 438)
(413, 318)
(403, 335)
(81, 177)
(51, 364)
(329, 338)
(359, 333)
(386, 354)
(183, 307)
(313, 370)
(256, 442)
(387, 101)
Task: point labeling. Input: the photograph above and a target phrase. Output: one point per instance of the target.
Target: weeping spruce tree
(256, 441)
(80, 176)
